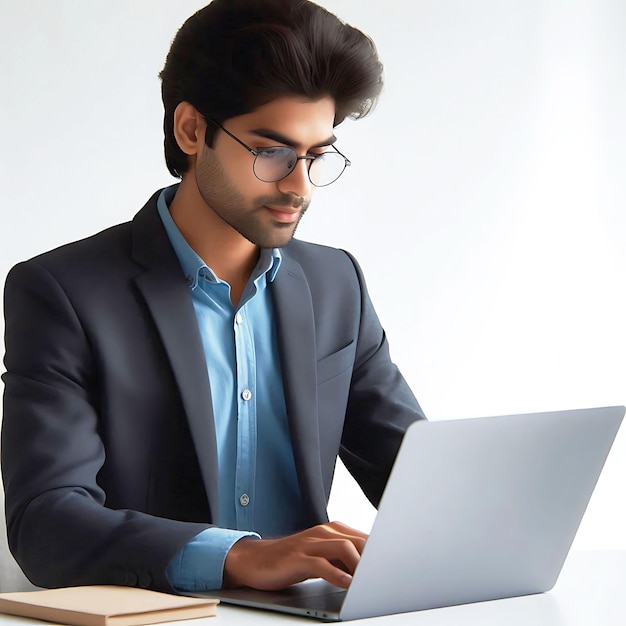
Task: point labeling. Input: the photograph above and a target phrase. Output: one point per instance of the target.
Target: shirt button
(244, 499)
(239, 318)
(246, 394)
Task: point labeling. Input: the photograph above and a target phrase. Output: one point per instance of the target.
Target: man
(178, 387)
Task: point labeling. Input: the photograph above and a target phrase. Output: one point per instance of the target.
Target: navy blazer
(108, 444)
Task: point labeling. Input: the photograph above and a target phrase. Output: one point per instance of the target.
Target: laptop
(474, 509)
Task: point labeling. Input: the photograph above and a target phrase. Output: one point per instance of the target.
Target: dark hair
(234, 56)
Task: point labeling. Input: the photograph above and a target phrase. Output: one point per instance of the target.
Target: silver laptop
(475, 509)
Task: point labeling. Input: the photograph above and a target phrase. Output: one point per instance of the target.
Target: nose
(298, 181)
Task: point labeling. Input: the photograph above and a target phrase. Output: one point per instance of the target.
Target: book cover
(105, 605)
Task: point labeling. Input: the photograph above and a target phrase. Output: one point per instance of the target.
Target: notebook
(474, 509)
(104, 605)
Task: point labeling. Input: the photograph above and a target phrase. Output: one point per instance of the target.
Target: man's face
(266, 214)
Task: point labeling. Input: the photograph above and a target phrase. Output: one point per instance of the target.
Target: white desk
(591, 591)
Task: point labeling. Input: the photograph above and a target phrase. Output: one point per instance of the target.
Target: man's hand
(330, 551)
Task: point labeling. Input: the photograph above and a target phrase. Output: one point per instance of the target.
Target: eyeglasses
(273, 164)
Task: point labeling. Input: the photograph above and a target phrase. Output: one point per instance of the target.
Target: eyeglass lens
(274, 164)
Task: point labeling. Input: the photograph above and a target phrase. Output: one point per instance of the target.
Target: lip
(283, 214)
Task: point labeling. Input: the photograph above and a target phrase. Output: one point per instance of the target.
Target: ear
(189, 129)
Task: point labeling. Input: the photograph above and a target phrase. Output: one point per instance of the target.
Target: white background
(486, 201)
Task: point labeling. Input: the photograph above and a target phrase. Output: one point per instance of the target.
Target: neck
(230, 255)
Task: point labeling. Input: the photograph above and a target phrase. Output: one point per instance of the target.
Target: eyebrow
(267, 133)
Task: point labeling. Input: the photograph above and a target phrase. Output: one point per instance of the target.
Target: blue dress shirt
(258, 485)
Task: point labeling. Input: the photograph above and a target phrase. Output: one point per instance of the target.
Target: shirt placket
(246, 421)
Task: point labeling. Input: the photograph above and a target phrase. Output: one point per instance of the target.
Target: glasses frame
(306, 157)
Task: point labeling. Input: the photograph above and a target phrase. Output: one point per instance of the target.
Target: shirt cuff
(199, 566)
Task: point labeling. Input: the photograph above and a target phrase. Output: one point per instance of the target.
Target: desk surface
(591, 591)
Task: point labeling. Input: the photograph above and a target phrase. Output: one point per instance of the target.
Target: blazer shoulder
(320, 257)
(331, 273)
(83, 254)
(97, 254)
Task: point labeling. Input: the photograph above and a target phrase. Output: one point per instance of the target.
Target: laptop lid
(474, 509)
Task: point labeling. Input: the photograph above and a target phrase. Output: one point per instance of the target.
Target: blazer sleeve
(381, 405)
(59, 527)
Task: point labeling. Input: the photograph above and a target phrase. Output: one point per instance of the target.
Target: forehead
(302, 122)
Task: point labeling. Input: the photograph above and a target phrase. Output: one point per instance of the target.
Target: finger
(346, 530)
(335, 529)
(319, 567)
(330, 532)
(336, 550)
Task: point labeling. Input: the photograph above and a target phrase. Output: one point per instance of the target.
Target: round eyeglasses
(273, 164)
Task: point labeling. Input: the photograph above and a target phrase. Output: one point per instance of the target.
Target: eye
(274, 153)
(319, 150)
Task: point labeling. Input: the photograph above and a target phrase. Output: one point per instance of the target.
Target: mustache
(286, 200)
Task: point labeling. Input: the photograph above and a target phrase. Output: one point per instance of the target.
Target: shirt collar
(269, 258)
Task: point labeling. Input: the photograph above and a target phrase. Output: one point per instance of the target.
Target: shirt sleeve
(199, 566)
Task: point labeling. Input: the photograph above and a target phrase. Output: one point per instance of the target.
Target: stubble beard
(224, 199)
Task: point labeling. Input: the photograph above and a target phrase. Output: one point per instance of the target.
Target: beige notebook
(103, 605)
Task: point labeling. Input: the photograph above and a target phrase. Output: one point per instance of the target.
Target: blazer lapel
(296, 341)
(166, 293)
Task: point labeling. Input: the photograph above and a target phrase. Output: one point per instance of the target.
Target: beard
(249, 217)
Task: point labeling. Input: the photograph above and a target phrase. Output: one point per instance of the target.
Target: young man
(178, 387)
